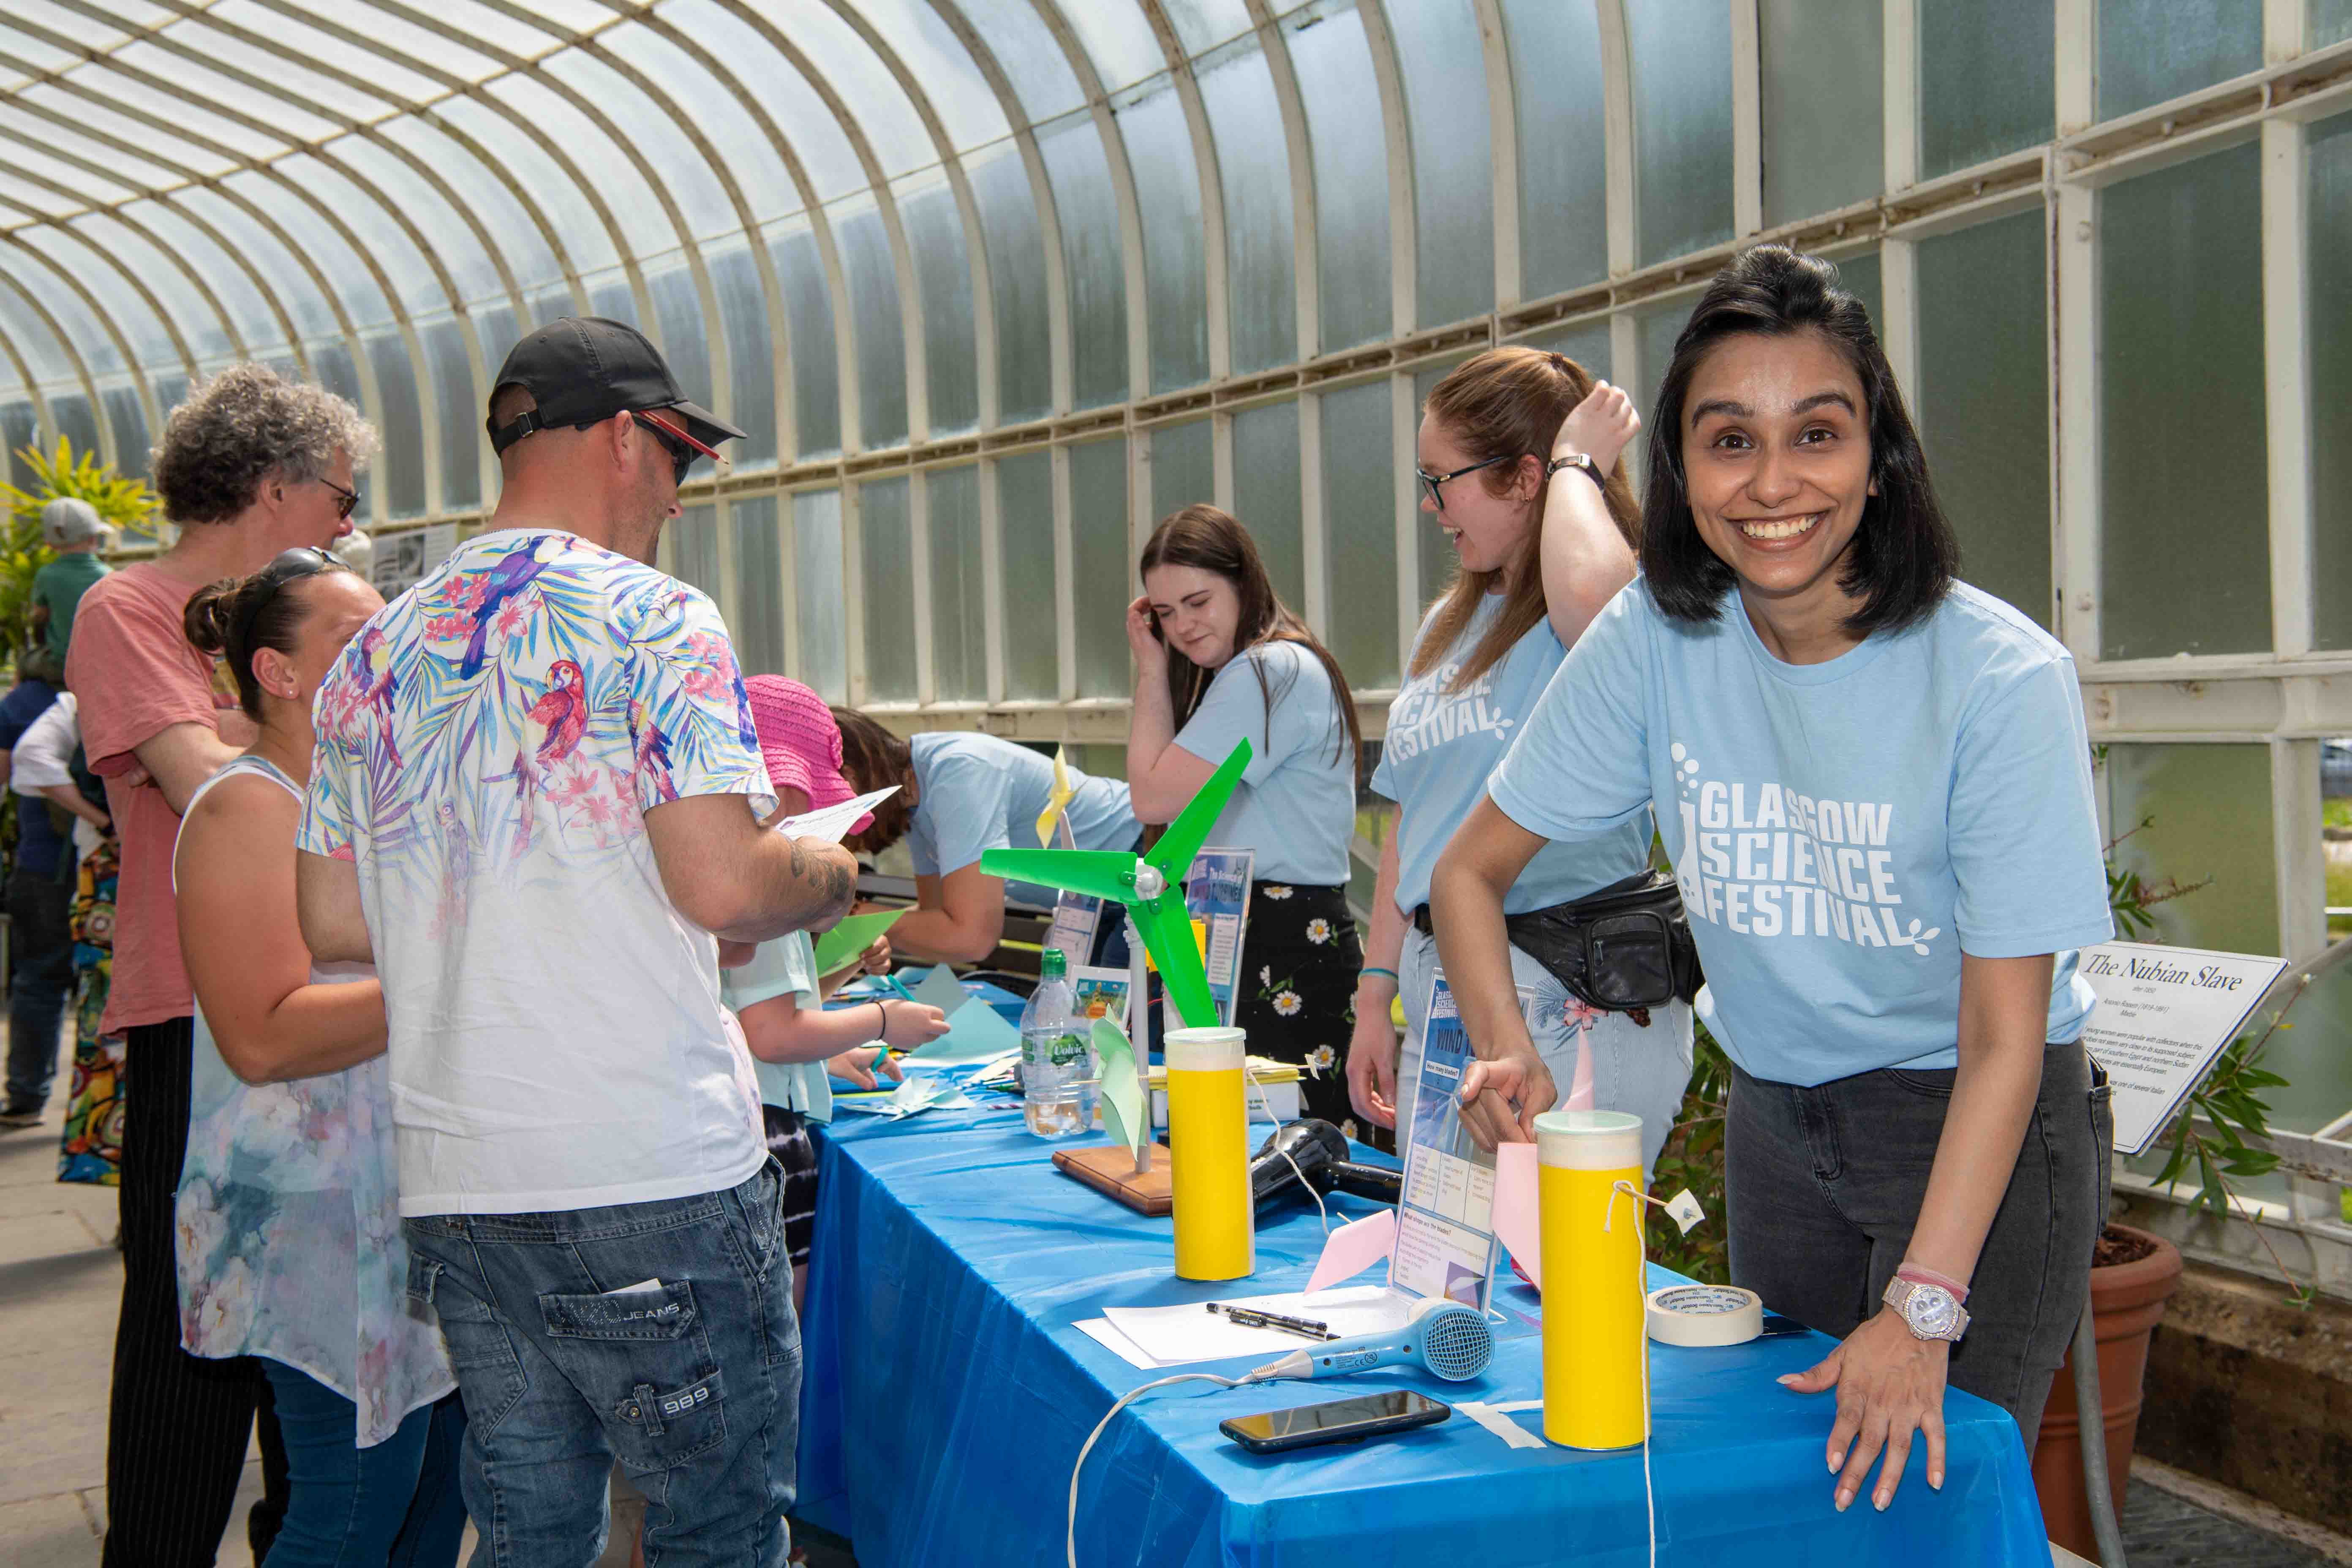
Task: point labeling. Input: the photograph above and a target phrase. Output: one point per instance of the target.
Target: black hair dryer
(1317, 1152)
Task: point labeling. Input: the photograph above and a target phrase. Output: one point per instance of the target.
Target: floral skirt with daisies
(1297, 991)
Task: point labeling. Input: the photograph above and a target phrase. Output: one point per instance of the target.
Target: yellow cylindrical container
(1594, 1325)
(1208, 1144)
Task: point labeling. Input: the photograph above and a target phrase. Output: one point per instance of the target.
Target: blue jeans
(693, 1383)
(40, 961)
(396, 1504)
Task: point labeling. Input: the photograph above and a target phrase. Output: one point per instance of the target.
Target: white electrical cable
(1641, 1278)
(1070, 1537)
(1251, 1078)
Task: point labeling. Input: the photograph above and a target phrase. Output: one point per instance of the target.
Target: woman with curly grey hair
(251, 464)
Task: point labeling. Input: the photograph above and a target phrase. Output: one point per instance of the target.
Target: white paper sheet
(1176, 1336)
(834, 821)
(1100, 1331)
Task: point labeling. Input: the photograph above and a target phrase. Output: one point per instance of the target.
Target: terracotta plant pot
(2127, 1301)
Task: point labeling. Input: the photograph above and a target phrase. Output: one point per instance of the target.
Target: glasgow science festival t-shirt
(1841, 831)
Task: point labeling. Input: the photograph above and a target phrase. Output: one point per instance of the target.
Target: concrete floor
(61, 1281)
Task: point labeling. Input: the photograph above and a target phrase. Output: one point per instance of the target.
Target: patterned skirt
(1296, 996)
(92, 1148)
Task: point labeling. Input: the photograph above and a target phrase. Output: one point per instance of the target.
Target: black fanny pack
(1627, 946)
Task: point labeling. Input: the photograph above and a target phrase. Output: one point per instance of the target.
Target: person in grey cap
(535, 805)
(72, 527)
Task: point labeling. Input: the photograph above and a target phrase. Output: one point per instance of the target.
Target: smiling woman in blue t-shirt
(1220, 658)
(1875, 786)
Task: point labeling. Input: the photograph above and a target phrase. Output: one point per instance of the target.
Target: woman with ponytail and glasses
(289, 1244)
(1517, 465)
(1220, 658)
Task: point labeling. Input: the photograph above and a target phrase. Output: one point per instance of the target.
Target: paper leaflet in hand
(940, 989)
(833, 822)
(1354, 1248)
(841, 946)
(976, 1033)
(1122, 1087)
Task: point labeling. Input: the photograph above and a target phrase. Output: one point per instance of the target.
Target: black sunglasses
(684, 450)
(1430, 482)
(346, 501)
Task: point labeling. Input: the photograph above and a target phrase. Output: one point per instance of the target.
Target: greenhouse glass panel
(1333, 63)
(611, 297)
(1559, 96)
(2328, 170)
(1168, 194)
(1654, 333)
(1183, 467)
(2208, 815)
(399, 426)
(76, 421)
(194, 86)
(230, 283)
(1359, 540)
(37, 285)
(879, 331)
(2151, 50)
(1080, 175)
(586, 240)
(323, 247)
(551, 305)
(1201, 24)
(652, 133)
(1016, 277)
(373, 228)
(1587, 345)
(2184, 482)
(1444, 68)
(257, 247)
(750, 359)
(935, 58)
(331, 366)
(886, 552)
(959, 586)
(19, 429)
(1860, 277)
(1027, 54)
(1987, 77)
(470, 266)
(678, 307)
(2331, 22)
(644, 222)
(1101, 565)
(500, 213)
(151, 340)
(1682, 125)
(818, 593)
(1118, 41)
(128, 420)
(1814, 53)
(808, 311)
(457, 405)
(943, 272)
(851, 68)
(2314, 1055)
(1982, 404)
(1266, 493)
(1025, 529)
(31, 336)
(1253, 172)
(758, 628)
(711, 102)
(694, 550)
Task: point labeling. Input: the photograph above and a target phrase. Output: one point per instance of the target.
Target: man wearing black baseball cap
(580, 390)
(534, 804)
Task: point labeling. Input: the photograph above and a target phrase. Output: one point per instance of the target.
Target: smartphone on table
(1340, 1421)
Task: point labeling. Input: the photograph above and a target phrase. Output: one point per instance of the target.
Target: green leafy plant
(1692, 1160)
(124, 503)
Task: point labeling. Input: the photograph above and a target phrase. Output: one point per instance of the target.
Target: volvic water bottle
(1057, 1079)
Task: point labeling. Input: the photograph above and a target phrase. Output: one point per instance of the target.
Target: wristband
(1374, 969)
(883, 1038)
(1919, 1274)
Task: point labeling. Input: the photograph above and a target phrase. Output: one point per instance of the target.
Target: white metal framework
(995, 283)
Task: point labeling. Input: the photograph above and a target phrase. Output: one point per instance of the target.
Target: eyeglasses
(1430, 482)
(346, 501)
(285, 566)
(684, 450)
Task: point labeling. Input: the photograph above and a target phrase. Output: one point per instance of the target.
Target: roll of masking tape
(1705, 1315)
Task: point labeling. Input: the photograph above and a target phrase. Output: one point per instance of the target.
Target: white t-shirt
(487, 745)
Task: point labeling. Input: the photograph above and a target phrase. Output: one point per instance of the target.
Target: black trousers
(1823, 1185)
(177, 1424)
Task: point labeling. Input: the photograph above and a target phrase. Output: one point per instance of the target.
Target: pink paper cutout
(1354, 1248)
(1518, 1221)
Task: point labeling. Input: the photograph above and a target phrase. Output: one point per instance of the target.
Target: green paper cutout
(1123, 1109)
(853, 935)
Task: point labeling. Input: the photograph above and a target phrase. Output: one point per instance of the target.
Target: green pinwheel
(1150, 885)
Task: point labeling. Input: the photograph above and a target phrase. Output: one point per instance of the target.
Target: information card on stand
(1445, 1223)
(1217, 897)
(2164, 1014)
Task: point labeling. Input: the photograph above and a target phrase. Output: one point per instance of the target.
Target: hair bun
(209, 615)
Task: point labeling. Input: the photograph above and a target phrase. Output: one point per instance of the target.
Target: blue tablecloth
(946, 1394)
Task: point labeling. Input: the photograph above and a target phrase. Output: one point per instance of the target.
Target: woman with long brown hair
(1517, 465)
(1219, 658)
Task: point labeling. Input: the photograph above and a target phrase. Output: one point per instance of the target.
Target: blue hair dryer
(1451, 1341)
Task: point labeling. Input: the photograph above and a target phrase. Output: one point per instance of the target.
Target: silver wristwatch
(1930, 1311)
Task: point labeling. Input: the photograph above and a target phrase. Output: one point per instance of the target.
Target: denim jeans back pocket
(642, 1357)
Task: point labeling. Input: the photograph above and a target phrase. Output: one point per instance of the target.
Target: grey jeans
(1823, 1185)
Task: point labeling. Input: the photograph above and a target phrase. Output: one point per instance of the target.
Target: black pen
(1251, 1317)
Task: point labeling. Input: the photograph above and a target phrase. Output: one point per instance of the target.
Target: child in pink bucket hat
(797, 1044)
